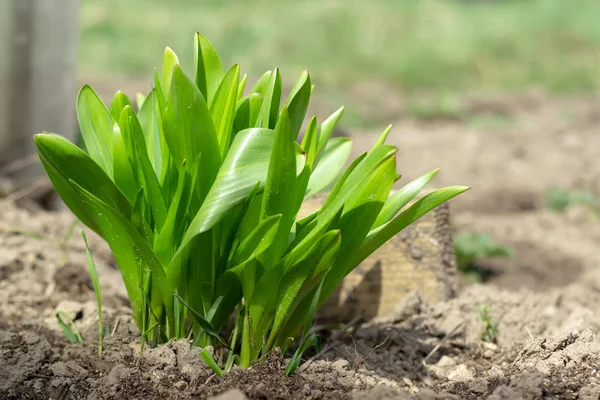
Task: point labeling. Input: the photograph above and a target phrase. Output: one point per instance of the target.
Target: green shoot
(489, 331)
(96, 283)
(559, 200)
(471, 247)
(210, 361)
(69, 329)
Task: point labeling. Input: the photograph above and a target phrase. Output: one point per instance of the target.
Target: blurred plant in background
(472, 247)
(362, 55)
(560, 199)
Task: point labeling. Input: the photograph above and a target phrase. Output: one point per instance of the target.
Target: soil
(544, 299)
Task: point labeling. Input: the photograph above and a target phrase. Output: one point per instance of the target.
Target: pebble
(461, 373)
(180, 385)
(232, 394)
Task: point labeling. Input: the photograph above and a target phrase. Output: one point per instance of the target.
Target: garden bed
(544, 299)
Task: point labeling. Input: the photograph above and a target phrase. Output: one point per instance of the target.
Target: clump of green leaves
(559, 199)
(473, 246)
(198, 193)
(489, 331)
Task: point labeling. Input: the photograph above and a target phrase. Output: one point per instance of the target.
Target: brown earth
(544, 299)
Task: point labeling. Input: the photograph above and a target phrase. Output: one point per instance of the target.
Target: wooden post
(419, 258)
(38, 43)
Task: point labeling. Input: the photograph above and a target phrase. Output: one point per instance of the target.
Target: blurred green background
(364, 54)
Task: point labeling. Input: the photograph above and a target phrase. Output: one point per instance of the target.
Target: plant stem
(247, 350)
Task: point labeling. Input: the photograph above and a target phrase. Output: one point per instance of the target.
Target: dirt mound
(542, 303)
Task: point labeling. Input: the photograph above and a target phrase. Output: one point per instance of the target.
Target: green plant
(197, 195)
(489, 332)
(472, 246)
(96, 283)
(559, 199)
(69, 329)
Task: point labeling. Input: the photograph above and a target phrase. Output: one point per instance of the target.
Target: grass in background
(440, 46)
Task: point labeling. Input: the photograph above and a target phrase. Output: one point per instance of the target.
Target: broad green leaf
(228, 286)
(71, 197)
(167, 240)
(244, 275)
(170, 60)
(210, 315)
(270, 105)
(382, 234)
(140, 98)
(329, 167)
(383, 137)
(360, 211)
(309, 142)
(246, 112)
(254, 106)
(241, 120)
(337, 198)
(304, 314)
(152, 128)
(159, 92)
(72, 163)
(260, 86)
(96, 124)
(293, 287)
(309, 146)
(344, 178)
(123, 173)
(263, 303)
(258, 241)
(402, 197)
(189, 129)
(297, 102)
(139, 216)
(222, 108)
(207, 67)
(242, 86)
(119, 101)
(230, 233)
(245, 165)
(132, 254)
(280, 188)
(168, 162)
(327, 127)
(305, 342)
(132, 131)
(361, 171)
(201, 270)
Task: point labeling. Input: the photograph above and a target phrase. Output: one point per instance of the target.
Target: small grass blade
(210, 361)
(96, 283)
(202, 322)
(70, 330)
